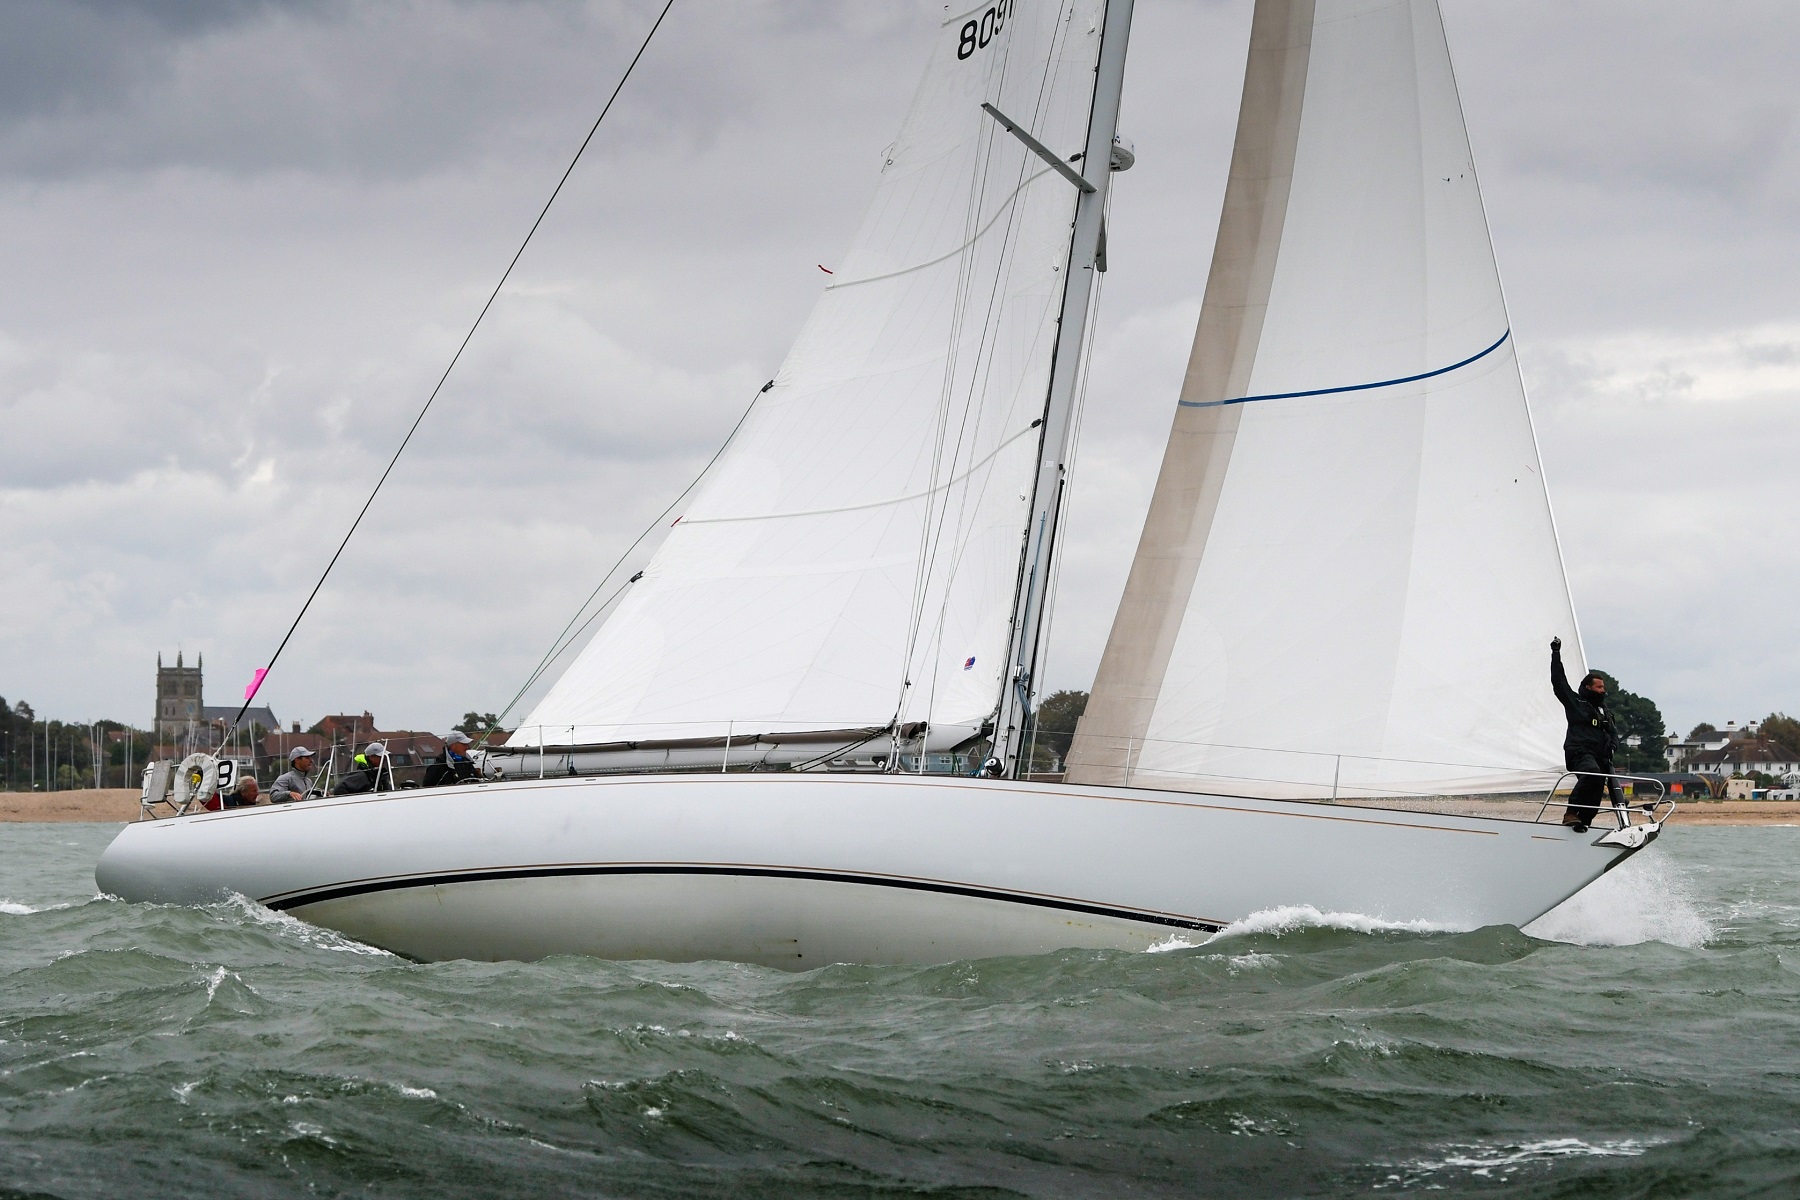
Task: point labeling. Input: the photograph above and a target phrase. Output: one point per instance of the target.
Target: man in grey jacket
(296, 782)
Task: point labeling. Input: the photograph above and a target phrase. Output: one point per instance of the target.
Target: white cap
(457, 737)
(299, 752)
(375, 748)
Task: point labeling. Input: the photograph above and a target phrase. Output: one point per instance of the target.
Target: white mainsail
(1349, 574)
(851, 560)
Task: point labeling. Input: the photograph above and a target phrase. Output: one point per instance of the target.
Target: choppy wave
(1505, 1160)
(162, 1051)
(290, 927)
(1291, 917)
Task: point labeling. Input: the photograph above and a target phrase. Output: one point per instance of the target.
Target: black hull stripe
(365, 887)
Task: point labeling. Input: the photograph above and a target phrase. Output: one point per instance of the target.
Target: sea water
(1642, 1040)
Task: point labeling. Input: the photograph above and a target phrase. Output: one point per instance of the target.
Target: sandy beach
(121, 804)
(91, 804)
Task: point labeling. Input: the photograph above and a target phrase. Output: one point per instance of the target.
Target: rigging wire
(565, 639)
(454, 358)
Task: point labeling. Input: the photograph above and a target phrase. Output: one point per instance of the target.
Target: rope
(454, 358)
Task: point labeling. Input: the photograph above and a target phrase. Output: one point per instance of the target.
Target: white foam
(316, 936)
(1243, 1126)
(1648, 898)
(1500, 1161)
(413, 1093)
(1173, 942)
(1250, 962)
(12, 908)
(306, 1129)
(214, 980)
(1291, 917)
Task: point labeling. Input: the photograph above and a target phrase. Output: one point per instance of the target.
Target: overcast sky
(239, 240)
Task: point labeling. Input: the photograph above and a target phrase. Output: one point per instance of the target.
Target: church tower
(178, 698)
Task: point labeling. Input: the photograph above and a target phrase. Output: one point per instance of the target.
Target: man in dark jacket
(370, 772)
(1589, 744)
(456, 767)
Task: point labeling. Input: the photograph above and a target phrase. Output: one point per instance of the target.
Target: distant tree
(474, 722)
(20, 743)
(1637, 714)
(1784, 732)
(1054, 727)
(1702, 730)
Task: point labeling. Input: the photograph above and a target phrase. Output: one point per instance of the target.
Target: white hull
(798, 871)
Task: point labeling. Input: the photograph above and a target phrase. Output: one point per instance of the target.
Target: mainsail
(1349, 573)
(851, 561)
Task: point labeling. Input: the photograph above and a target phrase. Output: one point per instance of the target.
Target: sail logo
(977, 32)
(970, 665)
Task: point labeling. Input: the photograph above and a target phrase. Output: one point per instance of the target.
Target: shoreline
(115, 805)
(87, 804)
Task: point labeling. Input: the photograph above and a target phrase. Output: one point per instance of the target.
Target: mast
(1086, 246)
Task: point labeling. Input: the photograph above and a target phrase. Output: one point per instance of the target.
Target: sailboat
(801, 736)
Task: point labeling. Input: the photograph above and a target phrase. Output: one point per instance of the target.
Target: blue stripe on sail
(1355, 387)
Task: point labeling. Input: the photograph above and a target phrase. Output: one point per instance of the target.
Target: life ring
(196, 781)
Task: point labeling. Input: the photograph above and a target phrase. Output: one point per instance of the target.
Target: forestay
(1349, 575)
(851, 560)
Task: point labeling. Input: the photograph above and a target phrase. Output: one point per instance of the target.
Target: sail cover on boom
(1349, 574)
(851, 559)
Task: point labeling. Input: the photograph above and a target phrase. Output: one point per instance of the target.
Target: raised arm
(1559, 679)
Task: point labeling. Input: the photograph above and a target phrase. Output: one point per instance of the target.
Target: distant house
(1681, 753)
(1745, 756)
(347, 727)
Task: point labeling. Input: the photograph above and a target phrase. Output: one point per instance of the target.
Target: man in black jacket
(455, 767)
(1588, 746)
(370, 772)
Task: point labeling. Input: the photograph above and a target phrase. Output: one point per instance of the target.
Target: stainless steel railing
(1654, 811)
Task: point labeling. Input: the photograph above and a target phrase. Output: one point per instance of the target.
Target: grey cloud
(244, 239)
(380, 92)
(66, 56)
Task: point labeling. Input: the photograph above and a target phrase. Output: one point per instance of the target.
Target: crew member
(456, 767)
(1588, 746)
(244, 795)
(296, 782)
(370, 774)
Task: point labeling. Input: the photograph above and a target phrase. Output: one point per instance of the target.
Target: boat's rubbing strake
(362, 887)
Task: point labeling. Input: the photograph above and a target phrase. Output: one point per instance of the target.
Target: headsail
(851, 561)
(1349, 573)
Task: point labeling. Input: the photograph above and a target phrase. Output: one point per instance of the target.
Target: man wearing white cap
(372, 773)
(456, 767)
(296, 782)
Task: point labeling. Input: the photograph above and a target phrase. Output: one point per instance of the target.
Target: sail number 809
(978, 32)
